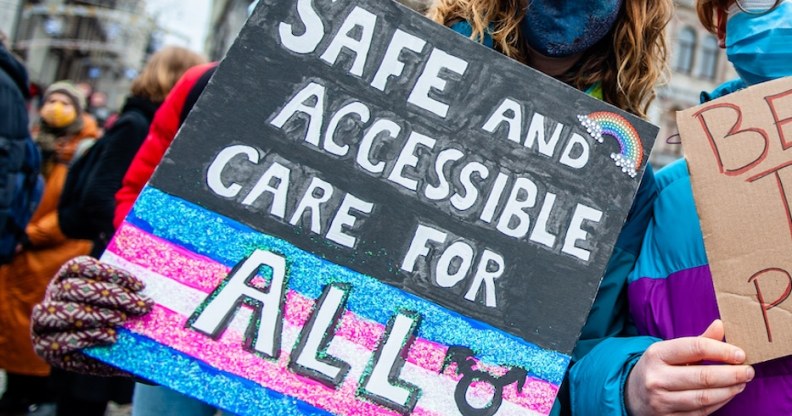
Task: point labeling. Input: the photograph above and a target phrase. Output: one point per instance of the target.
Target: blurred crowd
(67, 153)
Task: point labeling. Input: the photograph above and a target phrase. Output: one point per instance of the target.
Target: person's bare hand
(670, 379)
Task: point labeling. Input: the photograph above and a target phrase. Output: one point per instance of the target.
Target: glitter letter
(310, 357)
(264, 330)
(380, 382)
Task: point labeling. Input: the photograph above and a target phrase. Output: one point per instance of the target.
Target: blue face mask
(760, 46)
(561, 28)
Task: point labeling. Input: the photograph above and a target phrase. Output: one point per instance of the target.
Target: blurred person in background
(62, 129)
(87, 205)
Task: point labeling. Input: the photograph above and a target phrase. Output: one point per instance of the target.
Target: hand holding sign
(669, 377)
(738, 152)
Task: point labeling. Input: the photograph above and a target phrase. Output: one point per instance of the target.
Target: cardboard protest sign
(737, 153)
(367, 213)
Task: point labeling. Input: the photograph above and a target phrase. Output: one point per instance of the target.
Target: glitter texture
(182, 252)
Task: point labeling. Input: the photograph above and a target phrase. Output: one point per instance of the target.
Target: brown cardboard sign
(739, 152)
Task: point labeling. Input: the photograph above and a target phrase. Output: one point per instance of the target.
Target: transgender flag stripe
(182, 258)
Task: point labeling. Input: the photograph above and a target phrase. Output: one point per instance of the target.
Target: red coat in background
(163, 129)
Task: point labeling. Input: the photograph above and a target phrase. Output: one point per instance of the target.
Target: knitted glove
(83, 304)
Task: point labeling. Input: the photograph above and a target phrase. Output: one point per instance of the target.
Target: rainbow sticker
(604, 123)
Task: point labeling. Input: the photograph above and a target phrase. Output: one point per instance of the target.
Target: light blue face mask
(760, 46)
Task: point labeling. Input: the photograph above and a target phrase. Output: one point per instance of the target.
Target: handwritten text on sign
(738, 151)
(367, 213)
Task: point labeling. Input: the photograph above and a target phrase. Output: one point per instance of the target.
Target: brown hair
(708, 10)
(163, 70)
(628, 62)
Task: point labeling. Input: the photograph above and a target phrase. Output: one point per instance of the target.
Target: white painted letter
(314, 30)
(357, 18)
(364, 152)
(213, 175)
(514, 209)
(264, 330)
(575, 233)
(329, 140)
(312, 202)
(430, 79)
(343, 219)
(391, 66)
(407, 158)
(279, 190)
(487, 276)
(513, 123)
(314, 112)
(419, 247)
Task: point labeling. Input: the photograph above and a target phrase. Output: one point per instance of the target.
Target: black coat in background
(87, 204)
(20, 186)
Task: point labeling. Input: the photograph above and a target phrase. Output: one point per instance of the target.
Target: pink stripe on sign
(154, 253)
(176, 263)
(167, 327)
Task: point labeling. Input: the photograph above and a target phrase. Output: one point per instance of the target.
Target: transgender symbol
(604, 123)
(463, 358)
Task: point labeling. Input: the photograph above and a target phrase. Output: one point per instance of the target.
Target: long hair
(628, 62)
(163, 70)
(708, 10)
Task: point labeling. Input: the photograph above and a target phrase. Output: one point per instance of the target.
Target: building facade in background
(101, 42)
(697, 64)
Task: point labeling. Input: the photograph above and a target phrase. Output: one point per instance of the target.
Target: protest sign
(737, 153)
(367, 213)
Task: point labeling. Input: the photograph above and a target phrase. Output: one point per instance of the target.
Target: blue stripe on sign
(227, 242)
(163, 365)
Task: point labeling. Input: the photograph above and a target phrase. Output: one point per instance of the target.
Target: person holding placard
(671, 292)
(580, 44)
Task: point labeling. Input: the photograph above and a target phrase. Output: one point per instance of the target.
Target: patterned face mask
(562, 28)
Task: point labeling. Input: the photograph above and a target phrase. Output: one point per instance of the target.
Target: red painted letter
(767, 306)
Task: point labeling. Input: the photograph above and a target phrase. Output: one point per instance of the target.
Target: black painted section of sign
(544, 295)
